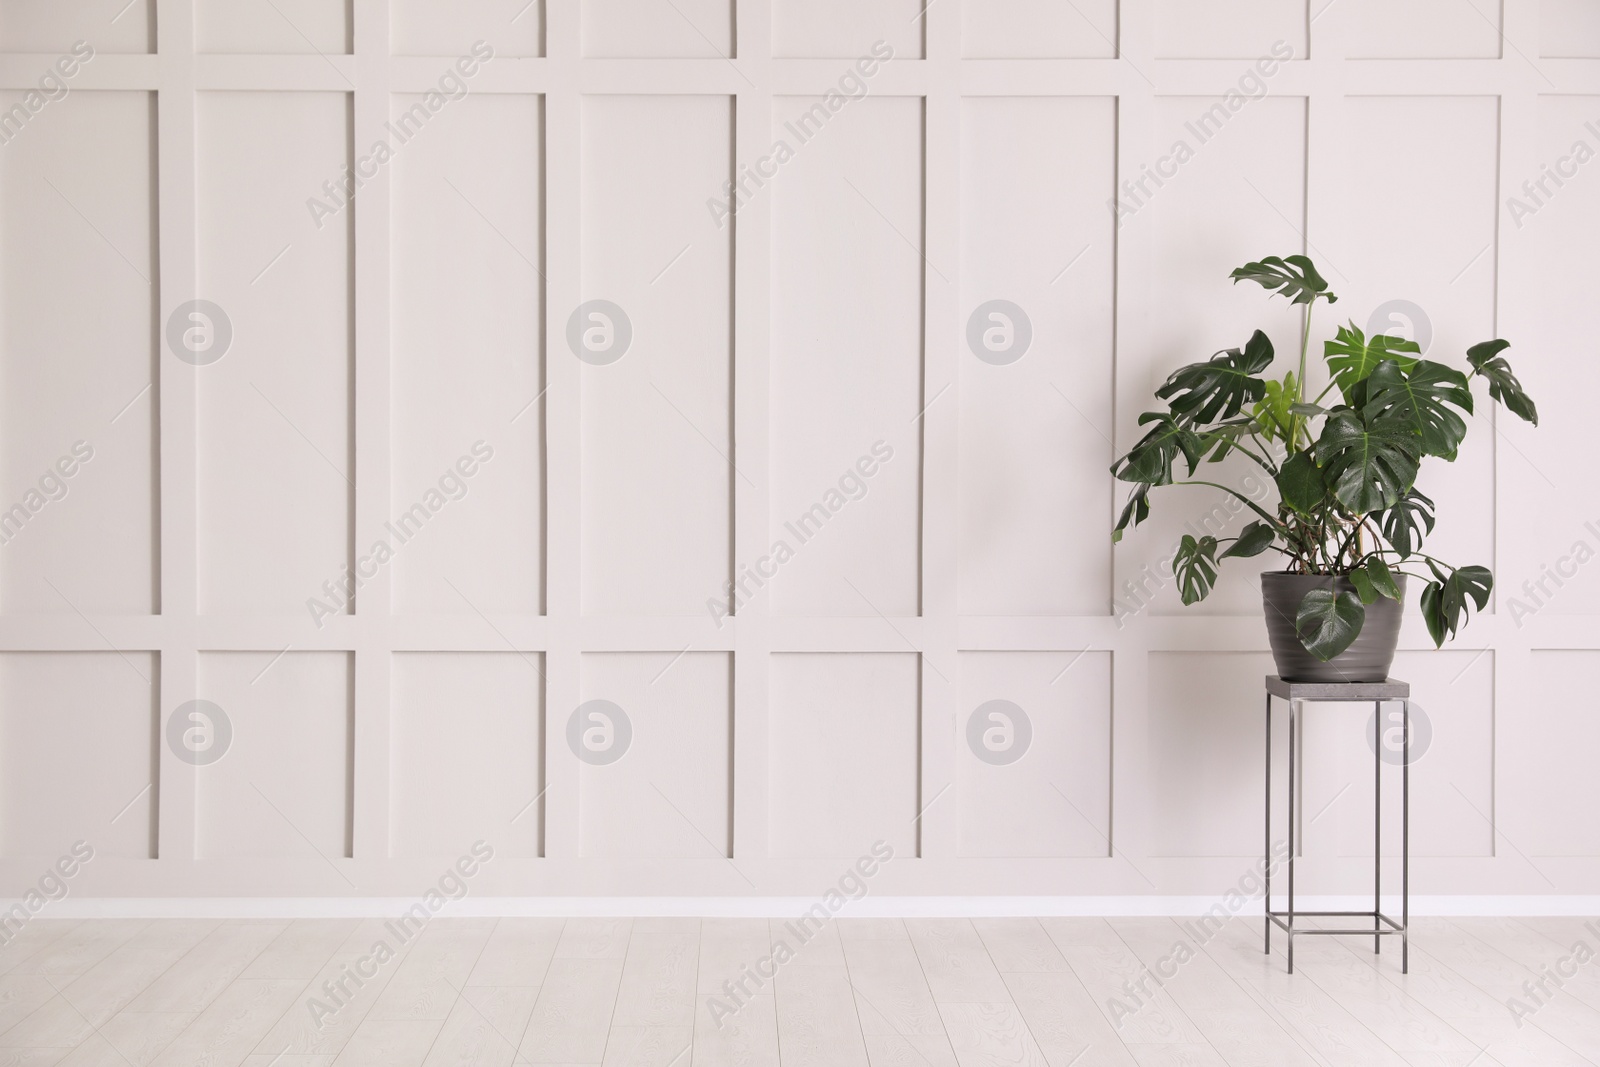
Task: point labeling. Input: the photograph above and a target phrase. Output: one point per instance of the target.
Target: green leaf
(1294, 277)
(1195, 565)
(1253, 540)
(1433, 612)
(1369, 467)
(1503, 385)
(1136, 511)
(1444, 602)
(1382, 578)
(1300, 483)
(1352, 356)
(1220, 387)
(1218, 442)
(1407, 522)
(1477, 583)
(1329, 622)
(1364, 588)
(1272, 412)
(1150, 461)
(1420, 400)
(1465, 583)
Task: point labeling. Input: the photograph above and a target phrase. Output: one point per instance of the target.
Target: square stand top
(1389, 689)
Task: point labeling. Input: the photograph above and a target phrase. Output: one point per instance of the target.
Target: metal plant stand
(1296, 694)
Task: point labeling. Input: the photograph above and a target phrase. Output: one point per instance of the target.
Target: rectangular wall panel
(1205, 744)
(78, 479)
(467, 418)
(844, 752)
(281, 27)
(1038, 29)
(284, 790)
(655, 334)
(1569, 28)
(275, 407)
(1214, 189)
(1554, 573)
(109, 26)
(1038, 253)
(659, 780)
(1436, 190)
(1034, 754)
(513, 28)
(78, 753)
(684, 29)
(466, 753)
(847, 356)
(1230, 29)
(1420, 29)
(812, 29)
(1551, 747)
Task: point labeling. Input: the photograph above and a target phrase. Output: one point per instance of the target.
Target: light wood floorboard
(657, 992)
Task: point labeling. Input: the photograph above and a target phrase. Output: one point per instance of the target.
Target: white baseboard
(780, 907)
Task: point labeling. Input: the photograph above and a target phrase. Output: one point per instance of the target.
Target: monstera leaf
(1273, 414)
(1150, 461)
(1219, 441)
(1294, 277)
(1134, 512)
(1408, 522)
(1220, 387)
(1328, 622)
(1432, 604)
(1373, 580)
(1351, 355)
(1195, 565)
(1381, 577)
(1300, 483)
(1369, 466)
(1253, 540)
(1444, 602)
(1503, 385)
(1420, 400)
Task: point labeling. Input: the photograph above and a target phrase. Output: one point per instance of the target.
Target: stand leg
(1294, 715)
(1405, 842)
(1377, 822)
(1266, 899)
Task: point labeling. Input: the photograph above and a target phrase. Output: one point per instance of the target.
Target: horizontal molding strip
(782, 907)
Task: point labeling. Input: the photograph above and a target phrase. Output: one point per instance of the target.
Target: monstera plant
(1350, 519)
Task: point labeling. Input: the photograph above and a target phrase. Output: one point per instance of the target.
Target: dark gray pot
(1366, 660)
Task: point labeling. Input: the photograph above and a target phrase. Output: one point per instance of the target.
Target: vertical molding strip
(563, 215)
(370, 406)
(752, 314)
(177, 395)
(938, 430)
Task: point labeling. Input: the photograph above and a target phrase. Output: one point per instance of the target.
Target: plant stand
(1296, 694)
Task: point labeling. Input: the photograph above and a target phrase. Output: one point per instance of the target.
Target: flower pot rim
(1399, 578)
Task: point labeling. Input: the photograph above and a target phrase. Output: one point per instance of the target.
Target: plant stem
(1300, 382)
(1260, 460)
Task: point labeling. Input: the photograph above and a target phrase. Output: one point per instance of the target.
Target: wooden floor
(929, 992)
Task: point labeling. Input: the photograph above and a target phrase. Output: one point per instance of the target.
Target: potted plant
(1350, 519)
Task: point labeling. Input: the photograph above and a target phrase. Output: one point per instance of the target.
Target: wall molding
(776, 907)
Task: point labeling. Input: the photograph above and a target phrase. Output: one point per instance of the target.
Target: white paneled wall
(546, 396)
